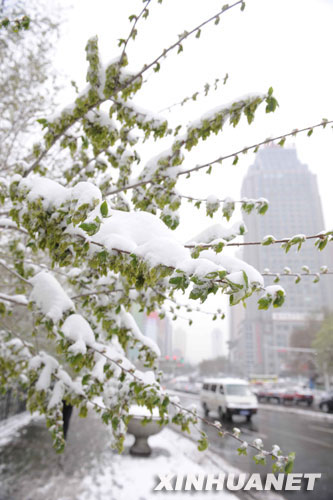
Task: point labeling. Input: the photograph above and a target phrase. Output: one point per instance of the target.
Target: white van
(228, 397)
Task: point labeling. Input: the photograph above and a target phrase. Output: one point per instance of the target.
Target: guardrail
(11, 403)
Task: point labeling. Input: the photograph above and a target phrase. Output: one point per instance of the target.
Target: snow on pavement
(91, 470)
(135, 478)
(10, 427)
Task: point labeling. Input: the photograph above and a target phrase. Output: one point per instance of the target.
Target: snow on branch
(49, 296)
(235, 155)
(138, 235)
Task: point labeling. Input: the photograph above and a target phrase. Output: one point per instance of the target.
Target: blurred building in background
(158, 330)
(217, 343)
(179, 344)
(259, 340)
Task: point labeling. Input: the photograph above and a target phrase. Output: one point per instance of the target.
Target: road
(308, 436)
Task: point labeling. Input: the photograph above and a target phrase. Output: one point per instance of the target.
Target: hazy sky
(286, 44)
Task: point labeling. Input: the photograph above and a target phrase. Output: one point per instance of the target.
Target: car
(297, 395)
(275, 393)
(326, 403)
(303, 395)
(228, 397)
(270, 393)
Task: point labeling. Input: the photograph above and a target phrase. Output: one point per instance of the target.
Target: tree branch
(14, 273)
(182, 37)
(137, 18)
(221, 158)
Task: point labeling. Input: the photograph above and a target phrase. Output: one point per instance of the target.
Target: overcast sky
(286, 44)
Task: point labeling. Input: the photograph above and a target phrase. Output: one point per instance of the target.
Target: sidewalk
(10, 428)
(90, 470)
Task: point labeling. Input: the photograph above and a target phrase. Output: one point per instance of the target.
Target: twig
(137, 18)
(182, 37)
(221, 158)
(15, 273)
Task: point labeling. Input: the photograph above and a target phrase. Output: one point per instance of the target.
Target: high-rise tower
(294, 208)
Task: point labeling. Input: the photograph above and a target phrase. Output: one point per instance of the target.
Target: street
(309, 437)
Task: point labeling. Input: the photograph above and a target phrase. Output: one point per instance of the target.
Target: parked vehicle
(326, 404)
(228, 397)
(184, 384)
(269, 393)
(301, 395)
(278, 394)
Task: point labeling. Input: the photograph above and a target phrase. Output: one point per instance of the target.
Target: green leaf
(104, 209)
(89, 227)
(279, 299)
(203, 444)
(264, 303)
(115, 422)
(43, 122)
(290, 463)
(246, 280)
(270, 240)
(259, 459)
(321, 243)
(83, 412)
(271, 104)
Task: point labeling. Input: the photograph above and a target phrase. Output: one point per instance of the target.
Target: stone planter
(141, 432)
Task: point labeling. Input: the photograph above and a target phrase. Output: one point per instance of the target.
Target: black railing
(11, 403)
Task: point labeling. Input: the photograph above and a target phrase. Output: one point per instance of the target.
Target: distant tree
(90, 238)
(214, 367)
(27, 80)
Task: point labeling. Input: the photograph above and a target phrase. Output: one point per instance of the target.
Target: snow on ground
(128, 477)
(90, 470)
(10, 427)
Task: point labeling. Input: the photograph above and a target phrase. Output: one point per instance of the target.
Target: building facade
(259, 339)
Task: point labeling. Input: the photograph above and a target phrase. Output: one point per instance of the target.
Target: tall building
(217, 343)
(158, 330)
(258, 338)
(179, 343)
